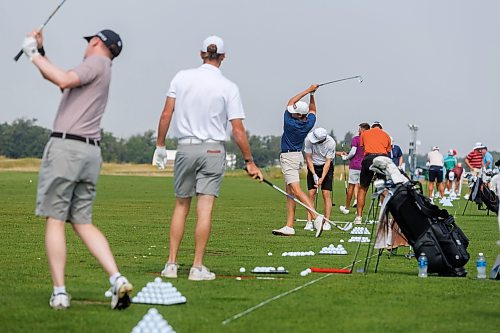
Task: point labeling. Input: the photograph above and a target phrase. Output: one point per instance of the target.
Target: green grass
(133, 212)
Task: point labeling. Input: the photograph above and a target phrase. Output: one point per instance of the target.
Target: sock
(59, 290)
(112, 278)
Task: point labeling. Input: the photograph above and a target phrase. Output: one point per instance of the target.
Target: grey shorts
(67, 180)
(199, 169)
(354, 176)
(290, 166)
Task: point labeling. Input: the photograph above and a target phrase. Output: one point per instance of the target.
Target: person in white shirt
(436, 162)
(199, 103)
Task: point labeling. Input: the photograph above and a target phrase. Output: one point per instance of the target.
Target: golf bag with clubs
(481, 192)
(427, 228)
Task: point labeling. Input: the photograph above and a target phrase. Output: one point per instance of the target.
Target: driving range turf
(133, 212)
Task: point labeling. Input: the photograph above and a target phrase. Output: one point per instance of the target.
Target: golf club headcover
(385, 166)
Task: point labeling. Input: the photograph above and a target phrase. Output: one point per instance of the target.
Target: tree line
(24, 138)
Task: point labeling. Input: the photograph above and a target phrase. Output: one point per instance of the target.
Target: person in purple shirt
(355, 158)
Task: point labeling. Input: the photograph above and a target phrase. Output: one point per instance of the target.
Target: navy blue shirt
(295, 131)
(395, 154)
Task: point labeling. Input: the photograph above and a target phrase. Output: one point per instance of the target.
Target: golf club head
(360, 79)
(347, 227)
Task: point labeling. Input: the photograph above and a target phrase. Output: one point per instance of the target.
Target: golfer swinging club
(299, 118)
(72, 160)
(203, 101)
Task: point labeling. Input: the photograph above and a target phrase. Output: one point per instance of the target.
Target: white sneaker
(121, 290)
(318, 224)
(285, 231)
(466, 197)
(200, 274)
(170, 270)
(327, 226)
(309, 226)
(344, 210)
(59, 301)
(358, 220)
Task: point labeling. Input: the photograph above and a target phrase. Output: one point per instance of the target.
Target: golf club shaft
(18, 55)
(347, 78)
(301, 203)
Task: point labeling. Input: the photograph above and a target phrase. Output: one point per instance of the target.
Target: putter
(347, 227)
(16, 58)
(360, 79)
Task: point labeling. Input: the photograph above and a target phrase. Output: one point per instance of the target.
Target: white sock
(59, 290)
(112, 278)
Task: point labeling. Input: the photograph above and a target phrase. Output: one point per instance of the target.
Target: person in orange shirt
(376, 142)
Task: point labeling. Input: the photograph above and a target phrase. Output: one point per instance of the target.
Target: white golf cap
(213, 40)
(450, 152)
(300, 107)
(435, 148)
(318, 134)
(479, 145)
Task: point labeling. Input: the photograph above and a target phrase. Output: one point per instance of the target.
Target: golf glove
(160, 157)
(344, 158)
(316, 179)
(30, 47)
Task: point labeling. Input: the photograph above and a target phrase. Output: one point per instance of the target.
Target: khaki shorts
(199, 169)
(475, 171)
(67, 180)
(291, 163)
(354, 176)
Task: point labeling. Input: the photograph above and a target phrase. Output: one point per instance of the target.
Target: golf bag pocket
(452, 241)
(428, 244)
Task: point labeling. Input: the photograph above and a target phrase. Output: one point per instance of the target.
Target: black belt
(75, 137)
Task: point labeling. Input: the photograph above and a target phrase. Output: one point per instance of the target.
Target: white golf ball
(238, 278)
(242, 270)
(108, 293)
(269, 253)
(304, 273)
(341, 240)
(158, 280)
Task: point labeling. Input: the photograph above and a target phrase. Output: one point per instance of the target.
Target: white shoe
(358, 220)
(318, 224)
(466, 197)
(121, 290)
(170, 270)
(344, 210)
(59, 301)
(309, 226)
(200, 274)
(355, 204)
(284, 231)
(327, 226)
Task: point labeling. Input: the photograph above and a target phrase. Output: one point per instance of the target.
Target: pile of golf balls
(264, 269)
(305, 272)
(297, 254)
(360, 231)
(153, 322)
(158, 292)
(357, 239)
(332, 249)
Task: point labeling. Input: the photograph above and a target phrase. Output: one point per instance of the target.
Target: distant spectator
(436, 162)
(450, 161)
(457, 172)
(474, 161)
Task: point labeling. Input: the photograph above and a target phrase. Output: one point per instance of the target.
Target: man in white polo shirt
(201, 101)
(436, 162)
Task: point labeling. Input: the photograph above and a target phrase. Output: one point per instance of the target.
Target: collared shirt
(488, 158)
(81, 108)
(355, 161)
(449, 162)
(475, 159)
(320, 152)
(205, 100)
(395, 154)
(295, 131)
(375, 141)
(435, 158)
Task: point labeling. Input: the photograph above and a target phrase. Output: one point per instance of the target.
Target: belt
(291, 151)
(75, 137)
(378, 154)
(194, 141)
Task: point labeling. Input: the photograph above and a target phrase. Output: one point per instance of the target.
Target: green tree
(22, 139)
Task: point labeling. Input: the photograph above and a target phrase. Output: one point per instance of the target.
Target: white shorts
(354, 176)
(291, 163)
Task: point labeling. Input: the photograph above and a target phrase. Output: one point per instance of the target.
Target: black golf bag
(430, 230)
(482, 194)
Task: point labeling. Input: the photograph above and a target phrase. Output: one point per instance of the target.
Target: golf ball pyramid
(360, 231)
(153, 322)
(297, 254)
(332, 249)
(270, 270)
(359, 239)
(160, 293)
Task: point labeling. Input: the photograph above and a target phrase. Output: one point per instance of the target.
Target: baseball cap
(318, 134)
(300, 107)
(450, 152)
(111, 39)
(435, 148)
(479, 145)
(376, 123)
(213, 40)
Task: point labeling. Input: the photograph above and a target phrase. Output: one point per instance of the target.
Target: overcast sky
(431, 63)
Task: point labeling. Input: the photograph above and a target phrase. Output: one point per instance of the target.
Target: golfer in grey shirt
(72, 160)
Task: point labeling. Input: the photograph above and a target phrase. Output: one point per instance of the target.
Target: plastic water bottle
(422, 265)
(481, 266)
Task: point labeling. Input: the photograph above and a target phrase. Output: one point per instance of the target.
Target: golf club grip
(16, 58)
(330, 270)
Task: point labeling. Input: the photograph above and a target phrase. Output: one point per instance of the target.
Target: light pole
(412, 150)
